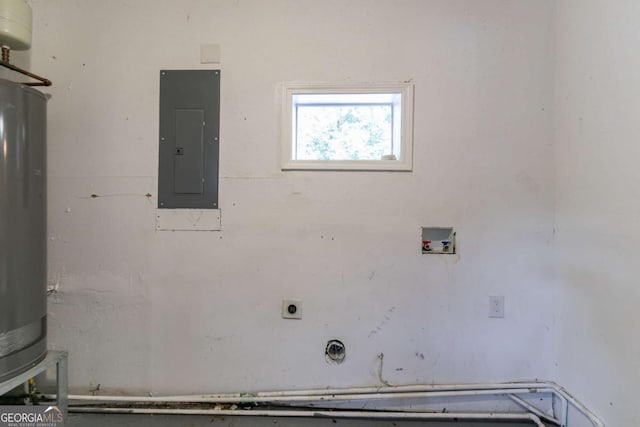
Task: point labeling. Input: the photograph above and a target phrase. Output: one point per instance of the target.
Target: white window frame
(403, 163)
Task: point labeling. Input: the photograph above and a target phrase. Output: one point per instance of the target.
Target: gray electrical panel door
(189, 139)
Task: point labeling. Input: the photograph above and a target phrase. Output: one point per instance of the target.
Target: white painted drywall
(598, 205)
(185, 312)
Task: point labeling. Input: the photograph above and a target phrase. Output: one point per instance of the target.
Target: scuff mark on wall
(220, 338)
(386, 319)
(95, 196)
(527, 183)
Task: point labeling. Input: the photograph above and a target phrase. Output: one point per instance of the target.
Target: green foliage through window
(344, 131)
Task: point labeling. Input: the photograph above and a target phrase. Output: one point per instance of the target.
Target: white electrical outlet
(496, 306)
(291, 309)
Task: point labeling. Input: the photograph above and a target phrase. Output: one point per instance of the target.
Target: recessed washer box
(438, 240)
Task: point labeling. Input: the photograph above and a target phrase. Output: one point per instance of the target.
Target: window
(356, 127)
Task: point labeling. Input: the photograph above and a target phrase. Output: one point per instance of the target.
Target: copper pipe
(5, 63)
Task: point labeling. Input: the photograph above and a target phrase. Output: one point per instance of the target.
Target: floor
(89, 420)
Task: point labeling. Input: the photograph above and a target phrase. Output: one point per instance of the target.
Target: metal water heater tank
(23, 228)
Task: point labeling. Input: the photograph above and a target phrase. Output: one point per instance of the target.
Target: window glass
(335, 128)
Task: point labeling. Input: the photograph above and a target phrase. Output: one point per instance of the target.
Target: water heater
(23, 228)
(23, 208)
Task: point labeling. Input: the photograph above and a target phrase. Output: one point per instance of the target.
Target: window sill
(352, 165)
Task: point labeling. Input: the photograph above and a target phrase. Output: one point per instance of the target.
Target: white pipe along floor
(451, 404)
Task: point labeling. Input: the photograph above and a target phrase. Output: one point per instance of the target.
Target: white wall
(192, 312)
(598, 205)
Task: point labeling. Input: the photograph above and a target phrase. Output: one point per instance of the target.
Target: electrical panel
(189, 139)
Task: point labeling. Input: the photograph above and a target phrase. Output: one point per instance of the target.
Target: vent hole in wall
(335, 351)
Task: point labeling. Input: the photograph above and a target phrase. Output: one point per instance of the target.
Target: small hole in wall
(335, 351)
